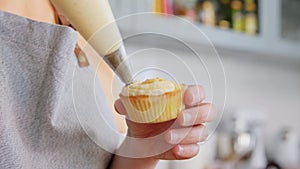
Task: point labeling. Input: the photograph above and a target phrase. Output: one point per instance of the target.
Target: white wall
(271, 85)
(265, 83)
(268, 84)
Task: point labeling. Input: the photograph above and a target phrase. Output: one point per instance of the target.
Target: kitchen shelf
(267, 42)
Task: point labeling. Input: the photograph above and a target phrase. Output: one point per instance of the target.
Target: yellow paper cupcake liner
(153, 109)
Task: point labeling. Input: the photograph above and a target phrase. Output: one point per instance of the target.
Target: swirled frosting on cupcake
(150, 87)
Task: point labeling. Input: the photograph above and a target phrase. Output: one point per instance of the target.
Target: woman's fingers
(193, 95)
(181, 152)
(205, 112)
(189, 135)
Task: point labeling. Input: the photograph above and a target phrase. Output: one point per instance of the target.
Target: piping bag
(94, 20)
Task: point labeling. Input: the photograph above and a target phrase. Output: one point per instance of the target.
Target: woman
(38, 124)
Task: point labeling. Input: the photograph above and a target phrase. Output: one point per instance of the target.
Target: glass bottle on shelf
(179, 8)
(207, 12)
(237, 15)
(251, 21)
(185, 8)
(198, 9)
(224, 15)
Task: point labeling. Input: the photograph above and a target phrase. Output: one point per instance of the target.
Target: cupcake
(152, 101)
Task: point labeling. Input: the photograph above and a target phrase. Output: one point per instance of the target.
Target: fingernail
(180, 151)
(203, 135)
(174, 138)
(187, 119)
(212, 113)
(196, 98)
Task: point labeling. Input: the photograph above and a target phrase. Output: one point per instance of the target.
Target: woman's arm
(132, 163)
(40, 10)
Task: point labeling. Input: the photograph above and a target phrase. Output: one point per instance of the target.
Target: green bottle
(237, 16)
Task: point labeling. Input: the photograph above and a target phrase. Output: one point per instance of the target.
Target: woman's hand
(188, 130)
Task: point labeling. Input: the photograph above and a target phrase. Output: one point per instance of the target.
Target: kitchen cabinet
(278, 25)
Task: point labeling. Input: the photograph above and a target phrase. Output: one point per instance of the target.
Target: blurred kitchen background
(258, 42)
